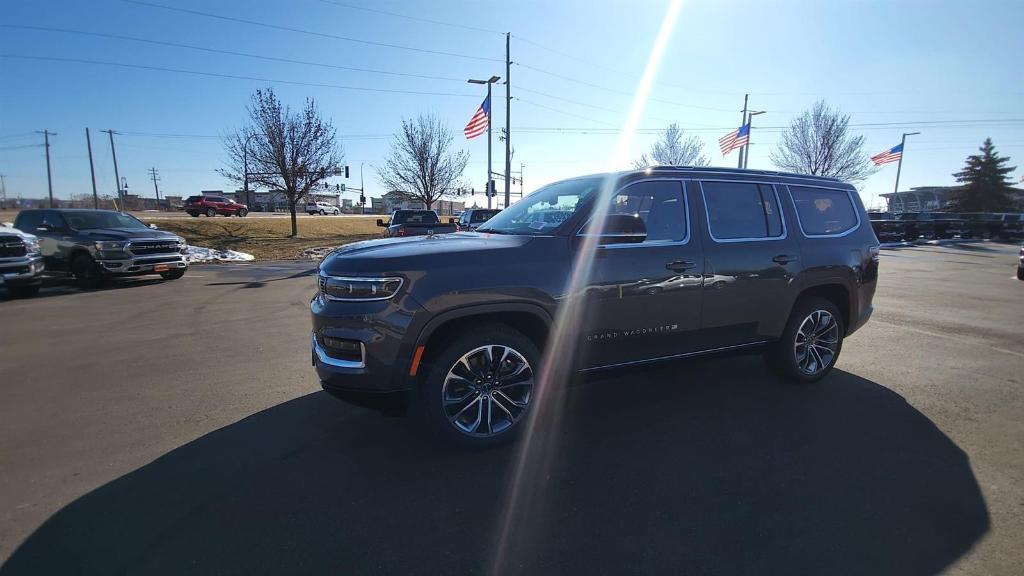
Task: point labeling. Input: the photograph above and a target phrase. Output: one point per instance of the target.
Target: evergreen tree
(985, 185)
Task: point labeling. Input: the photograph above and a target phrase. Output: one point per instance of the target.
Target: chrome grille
(12, 248)
(149, 247)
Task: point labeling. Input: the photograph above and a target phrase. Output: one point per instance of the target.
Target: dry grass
(267, 238)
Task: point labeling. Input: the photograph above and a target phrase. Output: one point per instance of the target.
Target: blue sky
(577, 62)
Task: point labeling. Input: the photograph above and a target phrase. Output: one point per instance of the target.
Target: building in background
(396, 200)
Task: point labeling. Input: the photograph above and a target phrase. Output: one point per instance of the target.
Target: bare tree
(673, 150)
(819, 142)
(282, 150)
(422, 164)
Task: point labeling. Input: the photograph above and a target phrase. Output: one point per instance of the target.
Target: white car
(322, 208)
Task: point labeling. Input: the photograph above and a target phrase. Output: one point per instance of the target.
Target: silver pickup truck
(21, 263)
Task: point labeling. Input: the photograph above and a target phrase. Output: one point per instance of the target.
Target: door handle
(680, 265)
(784, 259)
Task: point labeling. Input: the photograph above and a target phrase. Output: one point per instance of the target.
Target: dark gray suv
(678, 262)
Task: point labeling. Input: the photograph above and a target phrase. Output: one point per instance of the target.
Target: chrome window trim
(324, 358)
(778, 203)
(696, 171)
(320, 292)
(800, 224)
(645, 243)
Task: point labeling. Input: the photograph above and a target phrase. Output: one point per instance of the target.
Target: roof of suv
(722, 171)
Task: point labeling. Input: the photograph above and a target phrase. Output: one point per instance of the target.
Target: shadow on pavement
(64, 286)
(695, 467)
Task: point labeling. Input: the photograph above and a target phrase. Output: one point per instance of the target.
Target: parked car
(739, 259)
(415, 223)
(93, 245)
(1012, 225)
(472, 219)
(887, 228)
(214, 205)
(321, 208)
(933, 225)
(21, 263)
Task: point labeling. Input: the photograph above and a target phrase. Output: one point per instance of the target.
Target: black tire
(242, 212)
(431, 398)
(323, 213)
(173, 274)
(24, 291)
(194, 214)
(1020, 273)
(86, 272)
(783, 357)
(210, 212)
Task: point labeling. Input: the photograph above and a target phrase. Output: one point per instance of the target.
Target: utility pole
(49, 178)
(743, 122)
(153, 174)
(3, 193)
(117, 175)
(92, 171)
(508, 121)
(899, 167)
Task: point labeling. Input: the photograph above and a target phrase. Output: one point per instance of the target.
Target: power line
(531, 103)
(415, 18)
(228, 52)
(22, 146)
(307, 32)
(234, 76)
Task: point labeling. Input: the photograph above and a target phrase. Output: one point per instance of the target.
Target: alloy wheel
(487, 391)
(816, 342)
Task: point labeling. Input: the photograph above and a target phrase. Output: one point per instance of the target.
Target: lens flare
(521, 519)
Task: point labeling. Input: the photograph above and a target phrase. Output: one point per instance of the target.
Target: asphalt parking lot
(171, 428)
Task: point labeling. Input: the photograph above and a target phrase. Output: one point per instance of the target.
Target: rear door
(751, 261)
(643, 300)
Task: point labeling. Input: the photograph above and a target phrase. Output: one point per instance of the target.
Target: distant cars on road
(471, 219)
(415, 223)
(21, 263)
(93, 245)
(321, 208)
(214, 205)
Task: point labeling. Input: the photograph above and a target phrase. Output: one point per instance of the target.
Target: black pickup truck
(593, 273)
(93, 245)
(415, 223)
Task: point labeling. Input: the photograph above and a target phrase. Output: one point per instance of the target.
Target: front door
(751, 260)
(643, 300)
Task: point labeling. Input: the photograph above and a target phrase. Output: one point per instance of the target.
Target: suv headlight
(31, 246)
(103, 246)
(345, 288)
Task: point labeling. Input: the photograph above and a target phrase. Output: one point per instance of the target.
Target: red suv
(213, 205)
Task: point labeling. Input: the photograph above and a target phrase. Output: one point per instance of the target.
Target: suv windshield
(544, 210)
(87, 220)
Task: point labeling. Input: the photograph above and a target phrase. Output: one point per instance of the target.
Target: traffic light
(346, 171)
(362, 199)
(492, 190)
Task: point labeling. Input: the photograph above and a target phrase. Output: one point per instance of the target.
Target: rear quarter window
(824, 211)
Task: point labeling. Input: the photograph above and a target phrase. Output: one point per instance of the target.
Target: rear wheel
(479, 390)
(24, 291)
(323, 213)
(193, 214)
(811, 342)
(210, 212)
(173, 274)
(86, 272)
(1020, 273)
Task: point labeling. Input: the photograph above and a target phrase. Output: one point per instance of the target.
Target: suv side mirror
(153, 226)
(380, 222)
(621, 229)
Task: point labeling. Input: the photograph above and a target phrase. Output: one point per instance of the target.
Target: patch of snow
(200, 254)
(317, 253)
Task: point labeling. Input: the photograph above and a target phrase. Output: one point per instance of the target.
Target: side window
(740, 210)
(660, 204)
(29, 221)
(54, 219)
(824, 211)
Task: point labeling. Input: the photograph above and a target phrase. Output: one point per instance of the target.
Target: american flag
(735, 139)
(891, 155)
(478, 123)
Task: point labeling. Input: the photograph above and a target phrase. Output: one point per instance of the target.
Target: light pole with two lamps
(488, 82)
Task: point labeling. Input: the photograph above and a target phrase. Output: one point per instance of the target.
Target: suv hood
(418, 252)
(126, 234)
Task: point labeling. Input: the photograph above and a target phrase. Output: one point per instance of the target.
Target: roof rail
(722, 170)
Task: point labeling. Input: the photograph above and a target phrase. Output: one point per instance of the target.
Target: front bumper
(143, 264)
(21, 271)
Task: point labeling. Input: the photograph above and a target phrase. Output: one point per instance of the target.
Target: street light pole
(743, 122)
(488, 82)
(750, 134)
(899, 166)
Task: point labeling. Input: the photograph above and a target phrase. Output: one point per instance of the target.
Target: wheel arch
(835, 291)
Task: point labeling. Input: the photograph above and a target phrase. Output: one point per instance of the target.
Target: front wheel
(86, 272)
(811, 342)
(1020, 273)
(173, 274)
(479, 390)
(242, 212)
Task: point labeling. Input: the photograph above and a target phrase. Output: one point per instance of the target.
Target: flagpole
(899, 167)
(743, 122)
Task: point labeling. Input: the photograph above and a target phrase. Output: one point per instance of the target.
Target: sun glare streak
(524, 499)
